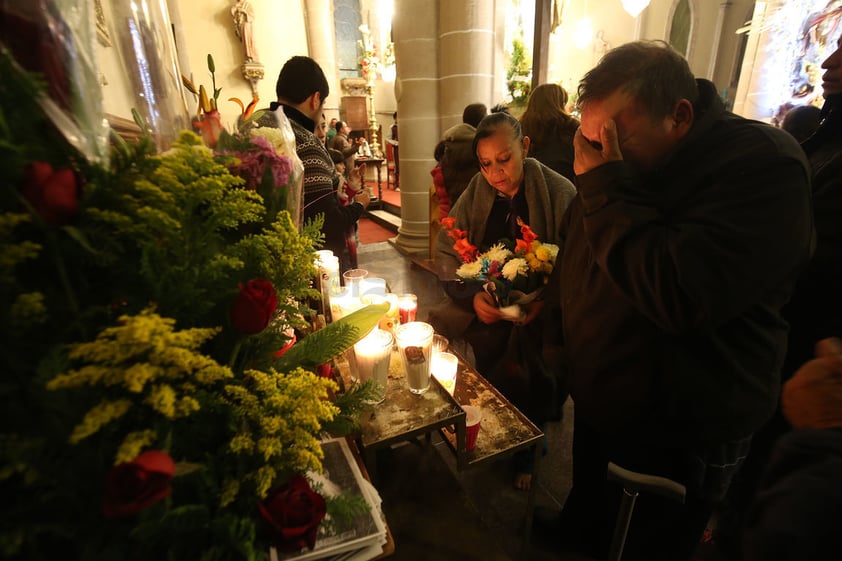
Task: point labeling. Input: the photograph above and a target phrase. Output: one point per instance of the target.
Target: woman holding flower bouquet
(495, 255)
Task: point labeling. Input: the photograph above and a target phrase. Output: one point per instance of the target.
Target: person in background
(500, 108)
(797, 512)
(331, 132)
(689, 231)
(509, 187)
(346, 193)
(438, 183)
(321, 130)
(301, 89)
(342, 143)
(802, 121)
(815, 310)
(393, 141)
(550, 128)
(459, 162)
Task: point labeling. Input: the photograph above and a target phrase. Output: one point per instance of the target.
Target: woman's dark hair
(545, 115)
(300, 78)
(651, 72)
(493, 121)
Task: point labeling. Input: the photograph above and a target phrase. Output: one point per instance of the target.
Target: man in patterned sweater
(302, 89)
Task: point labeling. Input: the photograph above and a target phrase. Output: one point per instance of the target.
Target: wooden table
(403, 415)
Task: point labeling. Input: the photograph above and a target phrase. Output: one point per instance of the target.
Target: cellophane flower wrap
(145, 409)
(514, 272)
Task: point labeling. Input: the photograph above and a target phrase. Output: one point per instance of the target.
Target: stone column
(466, 57)
(414, 32)
(322, 45)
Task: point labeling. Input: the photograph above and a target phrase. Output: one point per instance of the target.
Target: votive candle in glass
(407, 307)
(415, 344)
(372, 355)
(444, 367)
(353, 278)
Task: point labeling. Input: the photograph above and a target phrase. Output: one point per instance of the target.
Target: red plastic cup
(473, 416)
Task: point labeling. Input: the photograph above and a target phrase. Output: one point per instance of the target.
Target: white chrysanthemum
(515, 267)
(470, 270)
(274, 136)
(498, 252)
(553, 249)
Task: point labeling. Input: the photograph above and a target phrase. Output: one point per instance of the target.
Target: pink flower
(254, 162)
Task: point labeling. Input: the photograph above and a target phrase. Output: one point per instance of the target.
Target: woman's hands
(486, 308)
(487, 311)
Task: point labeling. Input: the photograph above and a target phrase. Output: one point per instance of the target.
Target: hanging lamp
(634, 7)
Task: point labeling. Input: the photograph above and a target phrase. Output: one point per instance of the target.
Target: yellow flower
(269, 448)
(186, 405)
(542, 253)
(264, 478)
(133, 444)
(162, 399)
(241, 443)
(137, 375)
(99, 416)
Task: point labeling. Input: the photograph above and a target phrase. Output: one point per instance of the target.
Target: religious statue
(243, 13)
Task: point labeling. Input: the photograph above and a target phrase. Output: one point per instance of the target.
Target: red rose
(131, 487)
(293, 512)
(254, 307)
(53, 194)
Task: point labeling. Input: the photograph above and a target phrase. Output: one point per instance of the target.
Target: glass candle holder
(407, 307)
(373, 353)
(353, 278)
(443, 367)
(440, 344)
(415, 344)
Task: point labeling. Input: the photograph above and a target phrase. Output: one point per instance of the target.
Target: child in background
(346, 193)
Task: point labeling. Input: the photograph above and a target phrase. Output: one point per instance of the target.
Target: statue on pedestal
(243, 13)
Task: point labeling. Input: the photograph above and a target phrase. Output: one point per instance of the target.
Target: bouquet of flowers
(152, 404)
(513, 272)
(369, 61)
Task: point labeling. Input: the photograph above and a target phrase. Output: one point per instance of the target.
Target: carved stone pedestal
(253, 72)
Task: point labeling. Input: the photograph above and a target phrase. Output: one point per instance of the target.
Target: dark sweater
(672, 283)
(320, 184)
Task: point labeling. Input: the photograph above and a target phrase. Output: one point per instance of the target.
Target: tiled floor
(437, 513)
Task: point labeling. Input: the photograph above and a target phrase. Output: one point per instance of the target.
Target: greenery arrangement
(519, 73)
(152, 402)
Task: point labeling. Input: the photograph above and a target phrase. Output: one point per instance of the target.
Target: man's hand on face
(590, 155)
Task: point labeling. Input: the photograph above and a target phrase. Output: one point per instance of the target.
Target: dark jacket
(815, 311)
(459, 164)
(556, 150)
(672, 282)
(798, 510)
(320, 184)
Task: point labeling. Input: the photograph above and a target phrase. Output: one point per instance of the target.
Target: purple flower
(253, 164)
